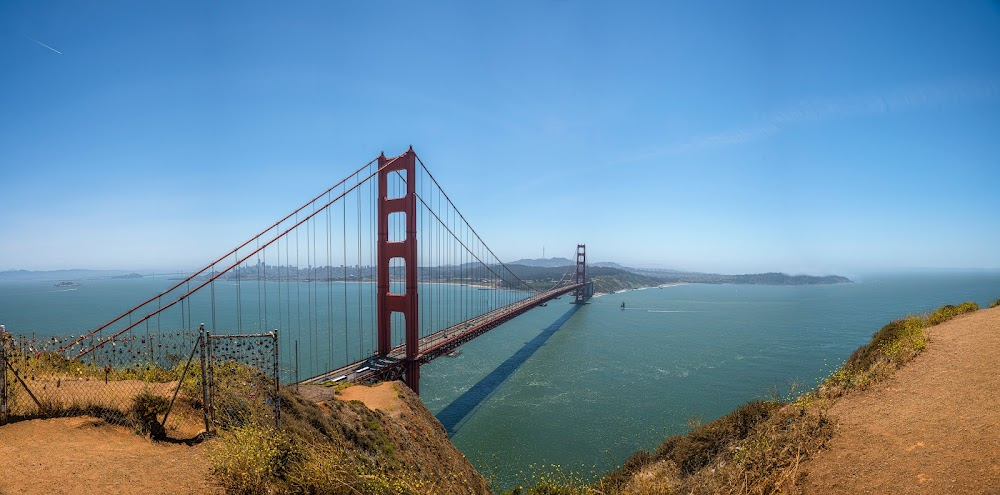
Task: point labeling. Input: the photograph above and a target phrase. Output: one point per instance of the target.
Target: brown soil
(183, 422)
(86, 455)
(382, 397)
(934, 427)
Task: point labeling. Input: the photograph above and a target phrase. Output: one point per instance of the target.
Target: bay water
(583, 387)
(610, 381)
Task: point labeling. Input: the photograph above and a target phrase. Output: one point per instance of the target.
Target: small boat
(623, 305)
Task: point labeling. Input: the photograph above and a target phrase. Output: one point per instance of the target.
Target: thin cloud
(819, 110)
(730, 138)
(43, 44)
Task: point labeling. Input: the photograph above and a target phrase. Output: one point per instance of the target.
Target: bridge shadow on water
(455, 413)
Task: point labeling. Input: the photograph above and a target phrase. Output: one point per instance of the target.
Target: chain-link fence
(110, 381)
(6, 377)
(142, 377)
(242, 378)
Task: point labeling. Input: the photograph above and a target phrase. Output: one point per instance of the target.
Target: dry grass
(248, 457)
(342, 448)
(332, 448)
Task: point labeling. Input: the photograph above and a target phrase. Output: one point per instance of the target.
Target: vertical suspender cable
(260, 325)
(344, 220)
(357, 278)
(309, 286)
(265, 324)
(298, 296)
(329, 284)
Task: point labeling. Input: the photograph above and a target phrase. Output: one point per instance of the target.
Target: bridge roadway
(434, 345)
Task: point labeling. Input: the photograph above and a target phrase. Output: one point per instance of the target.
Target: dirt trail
(932, 428)
(382, 397)
(86, 455)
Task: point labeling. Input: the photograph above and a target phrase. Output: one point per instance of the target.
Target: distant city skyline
(808, 139)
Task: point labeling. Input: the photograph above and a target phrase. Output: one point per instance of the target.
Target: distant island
(58, 275)
(771, 278)
(611, 277)
(130, 275)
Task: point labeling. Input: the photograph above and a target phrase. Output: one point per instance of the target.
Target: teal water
(583, 389)
(609, 382)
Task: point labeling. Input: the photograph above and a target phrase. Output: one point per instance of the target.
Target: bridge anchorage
(374, 277)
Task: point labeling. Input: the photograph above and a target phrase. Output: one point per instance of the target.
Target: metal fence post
(180, 383)
(210, 356)
(204, 377)
(3, 375)
(277, 382)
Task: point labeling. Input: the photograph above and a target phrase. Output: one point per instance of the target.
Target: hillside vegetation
(323, 445)
(608, 279)
(338, 447)
(758, 448)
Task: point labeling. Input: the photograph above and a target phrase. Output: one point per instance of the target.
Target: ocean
(583, 387)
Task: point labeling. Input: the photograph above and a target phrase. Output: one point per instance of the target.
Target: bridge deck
(434, 345)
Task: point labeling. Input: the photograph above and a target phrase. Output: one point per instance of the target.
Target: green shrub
(634, 464)
(324, 469)
(146, 372)
(145, 409)
(995, 303)
(552, 480)
(890, 347)
(695, 450)
(947, 312)
(250, 456)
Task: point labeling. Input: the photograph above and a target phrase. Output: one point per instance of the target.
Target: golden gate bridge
(369, 280)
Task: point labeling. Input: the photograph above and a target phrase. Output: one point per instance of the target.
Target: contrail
(43, 44)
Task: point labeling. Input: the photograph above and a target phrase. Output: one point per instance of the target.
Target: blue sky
(805, 137)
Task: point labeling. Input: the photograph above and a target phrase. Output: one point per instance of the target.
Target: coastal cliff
(371, 440)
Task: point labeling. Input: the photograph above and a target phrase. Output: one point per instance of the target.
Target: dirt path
(382, 396)
(932, 428)
(85, 455)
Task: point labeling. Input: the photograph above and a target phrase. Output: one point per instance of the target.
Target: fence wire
(42, 382)
(242, 378)
(130, 377)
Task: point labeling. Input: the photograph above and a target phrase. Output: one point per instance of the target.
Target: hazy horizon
(852, 274)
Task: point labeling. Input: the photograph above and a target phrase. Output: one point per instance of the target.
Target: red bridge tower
(406, 250)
